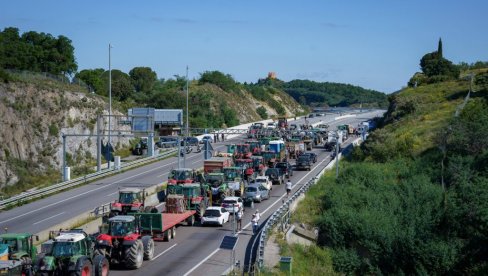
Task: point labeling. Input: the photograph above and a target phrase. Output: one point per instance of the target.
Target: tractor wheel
(85, 269)
(134, 255)
(148, 243)
(168, 235)
(173, 232)
(26, 266)
(148, 209)
(190, 221)
(200, 210)
(101, 266)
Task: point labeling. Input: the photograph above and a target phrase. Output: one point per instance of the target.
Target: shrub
(262, 112)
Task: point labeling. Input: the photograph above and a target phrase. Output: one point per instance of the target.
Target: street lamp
(110, 103)
(187, 115)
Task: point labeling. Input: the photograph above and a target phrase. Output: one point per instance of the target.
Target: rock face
(32, 121)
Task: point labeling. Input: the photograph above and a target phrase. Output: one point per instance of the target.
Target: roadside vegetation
(413, 199)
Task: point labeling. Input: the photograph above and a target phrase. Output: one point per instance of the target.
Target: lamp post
(187, 115)
(110, 103)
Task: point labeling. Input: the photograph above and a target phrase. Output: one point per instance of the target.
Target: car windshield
(281, 165)
(12, 244)
(181, 175)
(65, 249)
(271, 172)
(251, 189)
(303, 158)
(212, 213)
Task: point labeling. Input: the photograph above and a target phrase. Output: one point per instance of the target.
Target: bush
(226, 82)
(262, 112)
(53, 130)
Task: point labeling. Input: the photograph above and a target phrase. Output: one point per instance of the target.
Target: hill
(313, 93)
(413, 198)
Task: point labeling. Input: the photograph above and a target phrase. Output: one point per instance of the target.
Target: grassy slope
(433, 106)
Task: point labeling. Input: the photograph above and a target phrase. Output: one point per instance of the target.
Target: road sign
(229, 242)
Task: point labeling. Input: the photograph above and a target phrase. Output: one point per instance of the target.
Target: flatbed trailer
(162, 226)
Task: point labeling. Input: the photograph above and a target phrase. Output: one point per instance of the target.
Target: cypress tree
(439, 48)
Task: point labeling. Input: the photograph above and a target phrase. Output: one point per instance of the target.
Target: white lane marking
(159, 255)
(200, 263)
(75, 196)
(48, 218)
(112, 193)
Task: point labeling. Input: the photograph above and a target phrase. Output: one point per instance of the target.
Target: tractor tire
(168, 235)
(200, 210)
(26, 266)
(134, 255)
(148, 244)
(190, 221)
(173, 232)
(85, 269)
(148, 209)
(101, 267)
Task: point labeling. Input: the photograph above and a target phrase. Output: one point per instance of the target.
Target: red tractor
(182, 176)
(123, 242)
(254, 147)
(242, 151)
(258, 164)
(248, 167)
(130, 200)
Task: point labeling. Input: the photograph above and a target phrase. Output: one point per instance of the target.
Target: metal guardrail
(75, 182)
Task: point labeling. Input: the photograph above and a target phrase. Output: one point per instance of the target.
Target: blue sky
(373, 44)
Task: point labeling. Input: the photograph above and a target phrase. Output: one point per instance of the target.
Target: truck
(243, 151)
(131, 199)
(20, 247)
(282, 123)
(72, 253)
(216, 164)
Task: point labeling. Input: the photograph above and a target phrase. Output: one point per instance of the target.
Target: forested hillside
(413, 199)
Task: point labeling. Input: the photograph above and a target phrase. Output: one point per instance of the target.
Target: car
(232, 204)
(271, 125)
(304, 162)
(275, 175)
(286, 168)
(312, 156)
(215, 215)
(265, 181)
(311, 115)
(191, 141)
(208, 138)
(167, 142)
(257, 192)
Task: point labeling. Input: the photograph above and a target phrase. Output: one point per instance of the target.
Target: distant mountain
(313, 93)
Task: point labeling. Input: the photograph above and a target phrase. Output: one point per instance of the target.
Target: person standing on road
(288, 188)
(223, 136)
(255, 221)
(239, 215)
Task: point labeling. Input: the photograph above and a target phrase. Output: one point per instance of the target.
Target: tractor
(123, 243)
(242, 151)
(182, 176)
(218, 186)
(195, 195)
(72, 253)
(233, 177)
(247, 164)
(254, 147)
(130, 200)
(21, 248)
(258, 164)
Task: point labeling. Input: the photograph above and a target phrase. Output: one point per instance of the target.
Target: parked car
(215, 215)
(208, 138)
(265, 181)
(232, 204)
(257, 192)
(312, 156)
(275, 175)
(286, 168)
(304, 162)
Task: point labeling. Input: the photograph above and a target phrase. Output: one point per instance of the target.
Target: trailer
(216, 164)
(162, 226)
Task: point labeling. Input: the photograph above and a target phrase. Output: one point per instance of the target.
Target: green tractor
(21, 248)
(233, 178)
(195, 195)
(217, 186)
(72, 253)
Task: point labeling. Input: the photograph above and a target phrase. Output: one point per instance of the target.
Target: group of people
(216, 137)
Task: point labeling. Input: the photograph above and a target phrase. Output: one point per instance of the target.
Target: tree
(93, 78)
(439, 48)
(226, 82)
(142, 78)
(122, 87)
(436, 67)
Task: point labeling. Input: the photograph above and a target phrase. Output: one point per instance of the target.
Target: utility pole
(110, 103)
(337, 155)
(187, 115)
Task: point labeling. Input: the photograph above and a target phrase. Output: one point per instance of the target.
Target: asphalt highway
(195, 249)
